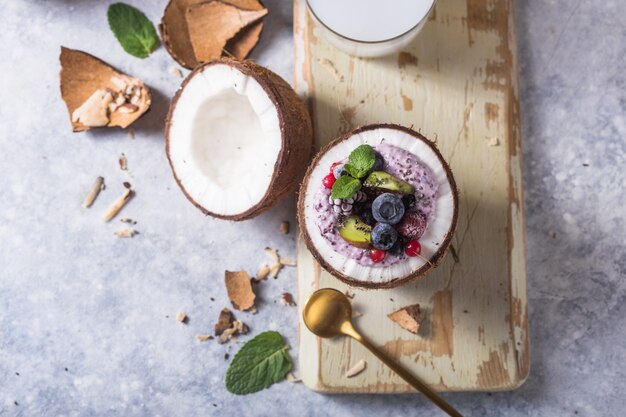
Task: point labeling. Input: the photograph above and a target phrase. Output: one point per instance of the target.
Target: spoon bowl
(326, 311)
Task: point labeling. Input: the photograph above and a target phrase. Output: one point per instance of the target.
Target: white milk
(370, 27)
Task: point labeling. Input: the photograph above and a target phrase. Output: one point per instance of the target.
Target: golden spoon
(328, 313)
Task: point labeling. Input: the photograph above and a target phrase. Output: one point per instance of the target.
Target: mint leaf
(132, 29)
(345, 187)
(261, 362)
(360, 161)
(356, 173)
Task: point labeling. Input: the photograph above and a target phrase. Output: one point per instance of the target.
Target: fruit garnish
(341, 206)
(339, 171)
(354, 231)
(384, 236)
(412, 225)
(360, 197)
(413, 248)
(379, 163)
(388, 208)
(385, 181)
(377, 255)
(335, 165)
(398, 248)
(409, 201)
(329, 181)
(368, 217)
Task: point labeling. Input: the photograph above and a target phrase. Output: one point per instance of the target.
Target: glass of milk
(370, 28)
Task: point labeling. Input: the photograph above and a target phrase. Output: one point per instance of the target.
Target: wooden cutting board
(457, 83)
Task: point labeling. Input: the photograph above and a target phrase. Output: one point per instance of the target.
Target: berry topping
(367, 217)
(384, 236)
(341, 206)
(328, 181)
(409, 201)
(398, 248)
(377, 255)
(388, 208)
(413, 248)
(360, 197)
(412, 225)
(335, 165)
(380, 162)
(338, 170)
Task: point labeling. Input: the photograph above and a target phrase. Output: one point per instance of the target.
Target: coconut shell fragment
(98, 95)
(239, 288)
(196, 31)
(409, 318)
(224, 321)
(222, 21)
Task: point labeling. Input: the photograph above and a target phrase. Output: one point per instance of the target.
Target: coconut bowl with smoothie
(378, 206)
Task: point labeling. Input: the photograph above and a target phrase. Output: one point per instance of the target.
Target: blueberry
(409, 201)
(367, 217)
(339, 171)
(388, 208)
(380, 162)
(398, 248)
(384, 236)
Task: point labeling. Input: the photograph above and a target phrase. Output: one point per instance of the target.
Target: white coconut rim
(436, 233)
(224, 140)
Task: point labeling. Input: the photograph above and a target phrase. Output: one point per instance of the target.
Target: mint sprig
(132, 29)
(360, 161)
(345, 187)
(261, 362)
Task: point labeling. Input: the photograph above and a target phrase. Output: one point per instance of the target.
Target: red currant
(333, 166)
(413, 248)
(377, 255)
(329, 180)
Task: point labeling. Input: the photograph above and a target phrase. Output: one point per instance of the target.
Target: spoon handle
(422, 387)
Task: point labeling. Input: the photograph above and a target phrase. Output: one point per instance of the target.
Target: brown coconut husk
(434, 260)
(225, 29)
(223, 21)
(296, 135)
(82, 74)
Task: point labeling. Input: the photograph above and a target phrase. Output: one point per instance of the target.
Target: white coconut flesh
(224, 140)
(436, 232)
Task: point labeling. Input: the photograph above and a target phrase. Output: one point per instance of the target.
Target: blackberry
(398, 248)
(380, 162)
(368, 217)
(409, 201)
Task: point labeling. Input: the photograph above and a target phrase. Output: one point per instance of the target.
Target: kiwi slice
(385, 181)
(356, 232)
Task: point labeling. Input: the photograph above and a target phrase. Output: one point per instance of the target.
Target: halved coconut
(435, 240)
(238, 138)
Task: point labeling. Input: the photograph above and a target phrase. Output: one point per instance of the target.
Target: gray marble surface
(87, 320)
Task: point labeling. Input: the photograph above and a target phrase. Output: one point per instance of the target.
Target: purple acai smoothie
(401, 164)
